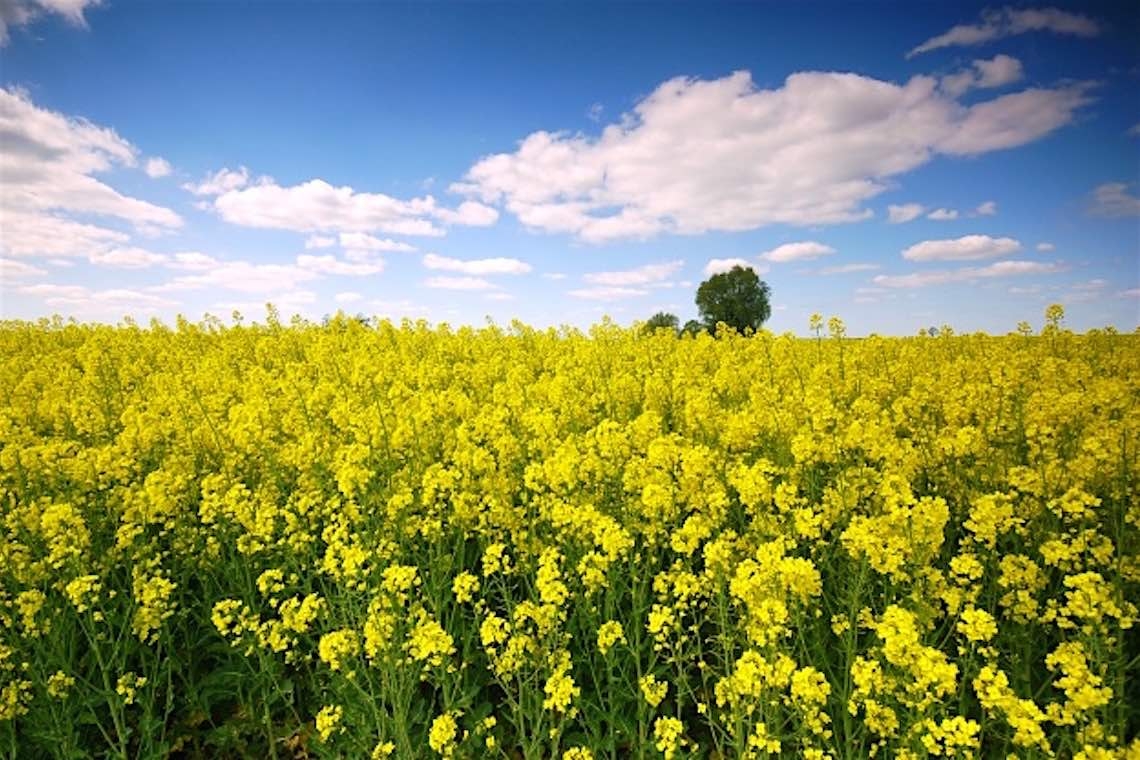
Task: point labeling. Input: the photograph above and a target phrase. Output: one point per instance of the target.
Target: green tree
(662, 319)
(692, 327)
(738, 297)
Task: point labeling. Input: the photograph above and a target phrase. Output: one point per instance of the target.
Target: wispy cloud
(997, 269)
(1008, 22)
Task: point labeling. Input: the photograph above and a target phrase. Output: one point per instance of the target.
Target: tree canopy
(738, 297)
(662, 319)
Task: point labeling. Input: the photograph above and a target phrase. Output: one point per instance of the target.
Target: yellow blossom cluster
(362, 539)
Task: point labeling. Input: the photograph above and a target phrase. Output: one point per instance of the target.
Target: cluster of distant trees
(738, 297)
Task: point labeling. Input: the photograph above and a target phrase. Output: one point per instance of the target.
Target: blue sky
(897, 165)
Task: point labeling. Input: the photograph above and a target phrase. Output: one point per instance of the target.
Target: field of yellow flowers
(369, 540)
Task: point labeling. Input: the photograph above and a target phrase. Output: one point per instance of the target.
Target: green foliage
(662, 320)
(738, 297)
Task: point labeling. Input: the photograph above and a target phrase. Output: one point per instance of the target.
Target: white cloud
(849, 268)
(127, 258)
(498, 296)
(1007, 22)
(906, 212)
(1086, 292)
(156, 168)
(804, 251)
(49, 163)
(469, 214)
(459, 283)
(554, 275)
(997, 269)
(319, 241)
(967, 248)
(998, 71)
(22, 12)
(984, 74)
(668, 167)
(79, 300)
(943, 214)
(242, 277)
(329, 264)
(360, 241)
(11, 269)
(594, 113)
(35, 234)
(716, 266)
(1131, 293)
(348, 297)
(192, 261)
(317, 206)
(643, 275)
(988, 208)
(1134, 130)
(476, 266)
(220, 182)
(607, 293)
(1046, 247)
(1113, 199)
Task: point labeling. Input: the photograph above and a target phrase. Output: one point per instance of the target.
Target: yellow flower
(653, 690)
(609, 634)
(328, 721)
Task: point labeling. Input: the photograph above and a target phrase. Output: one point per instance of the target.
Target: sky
(898, 165)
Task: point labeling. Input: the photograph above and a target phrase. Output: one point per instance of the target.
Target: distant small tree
(692, 327)
(738, 297)
(662, 319)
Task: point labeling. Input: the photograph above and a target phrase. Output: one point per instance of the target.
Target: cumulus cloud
(966, 248)
(997, 269)
(849, 268)
(193, 261)
(1114, 199)
(360, 241)
(649, 274)
(80, 300)
(243, 277)
(943, 214)
(222, 181)
(329, 264)
(15, 13)
(1046, 247)
(1008, 22)
(716, 266)
(316, 206)
(606, 293)
(667, 167)
(988, 208)
(49, 164)
(804, 251)
(127, 258)
(906, 212)
(554, 275)
(984, 74)
(476, 266)
(319, 241)
(156, 168)
(348, 297)
(12, 269)
(459, 283)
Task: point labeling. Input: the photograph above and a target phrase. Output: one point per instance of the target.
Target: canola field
(375, 540)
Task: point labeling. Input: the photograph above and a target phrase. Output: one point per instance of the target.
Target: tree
(692, 327)
(662, 319)
(738, 297)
